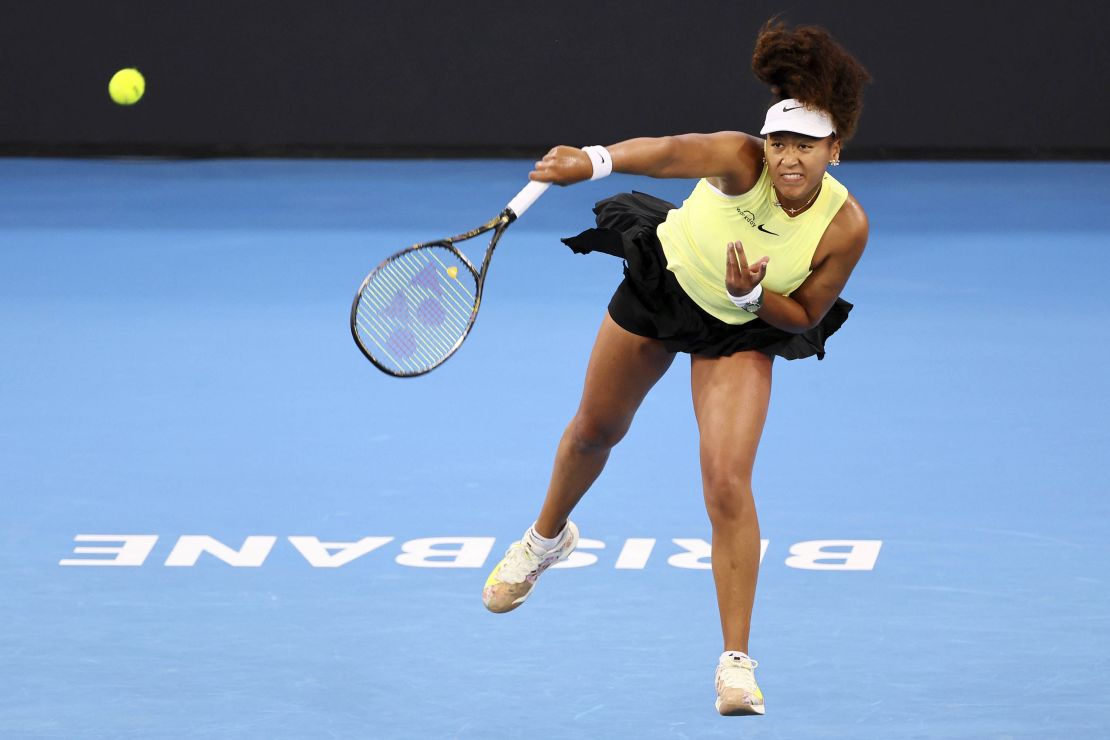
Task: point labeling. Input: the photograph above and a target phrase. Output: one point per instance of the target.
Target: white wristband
(748, 298)
(602, 162)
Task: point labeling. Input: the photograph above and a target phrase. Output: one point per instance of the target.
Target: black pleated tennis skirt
(649, 301)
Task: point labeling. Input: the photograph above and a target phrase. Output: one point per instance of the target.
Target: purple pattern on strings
(428, 279)
(431, 312)
(398, 308)
(418, 304)
(401, 342)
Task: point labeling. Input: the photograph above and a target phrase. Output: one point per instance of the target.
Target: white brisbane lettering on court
(635, 553)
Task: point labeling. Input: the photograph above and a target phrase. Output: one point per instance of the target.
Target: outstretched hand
(740, 279)
(563, 165)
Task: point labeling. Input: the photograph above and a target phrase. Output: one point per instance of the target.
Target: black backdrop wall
(388, 77)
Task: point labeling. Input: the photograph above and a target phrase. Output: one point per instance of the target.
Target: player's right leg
(731, 396)
(623, 368)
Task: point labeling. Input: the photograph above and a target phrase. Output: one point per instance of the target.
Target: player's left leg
(731, 396)
(623, 368)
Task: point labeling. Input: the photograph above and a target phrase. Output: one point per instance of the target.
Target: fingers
(743, 258)
(737, 261)
(736, 252)
(734, 279)
(545, 170)
(736, 255)
(759, 270)
(562, 165)
(740, 277)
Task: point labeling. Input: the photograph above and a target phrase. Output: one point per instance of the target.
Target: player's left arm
(841, 246)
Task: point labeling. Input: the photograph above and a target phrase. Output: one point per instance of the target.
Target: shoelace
(739, 674)
(520, 562)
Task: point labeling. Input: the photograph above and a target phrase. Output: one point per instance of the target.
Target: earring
(834, 162)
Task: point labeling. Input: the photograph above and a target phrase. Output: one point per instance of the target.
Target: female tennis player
(750, 267)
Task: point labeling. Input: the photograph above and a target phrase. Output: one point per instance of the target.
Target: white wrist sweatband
(602, 162)
(743, 300)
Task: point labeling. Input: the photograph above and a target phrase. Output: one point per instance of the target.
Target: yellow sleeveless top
(696, 236)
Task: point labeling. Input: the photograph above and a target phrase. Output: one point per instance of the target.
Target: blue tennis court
(219, 521)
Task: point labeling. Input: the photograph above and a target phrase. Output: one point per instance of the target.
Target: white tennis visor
(791, 115)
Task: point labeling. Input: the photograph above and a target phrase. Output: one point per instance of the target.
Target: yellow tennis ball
(127, 86)
(453, 272)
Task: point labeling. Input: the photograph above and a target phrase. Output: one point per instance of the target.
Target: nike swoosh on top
(796, 107)
(765, 231)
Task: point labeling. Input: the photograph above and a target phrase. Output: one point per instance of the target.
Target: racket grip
(526, 197)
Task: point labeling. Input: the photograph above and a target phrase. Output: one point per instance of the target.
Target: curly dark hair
(807, 64)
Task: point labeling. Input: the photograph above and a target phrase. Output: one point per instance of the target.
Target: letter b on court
(834, 554)
(446, 552)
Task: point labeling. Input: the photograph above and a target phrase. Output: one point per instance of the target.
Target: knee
(728, 497)
(589, 433)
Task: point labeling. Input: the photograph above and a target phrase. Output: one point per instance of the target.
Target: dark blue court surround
(177, 364)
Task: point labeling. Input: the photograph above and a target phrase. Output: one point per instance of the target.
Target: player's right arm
(730, 157)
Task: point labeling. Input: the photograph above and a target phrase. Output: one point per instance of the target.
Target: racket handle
(526, 197)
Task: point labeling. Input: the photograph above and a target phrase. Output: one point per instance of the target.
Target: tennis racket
(415, 309)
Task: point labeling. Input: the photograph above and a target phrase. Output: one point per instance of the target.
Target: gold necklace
(795, 211)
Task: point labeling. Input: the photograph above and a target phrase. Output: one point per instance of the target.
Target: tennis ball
(453, 272)
(127, 86)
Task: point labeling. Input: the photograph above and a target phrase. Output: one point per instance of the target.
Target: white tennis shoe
(513, 579)
(737, 692)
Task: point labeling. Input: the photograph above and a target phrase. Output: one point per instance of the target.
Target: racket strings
(415, 309)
